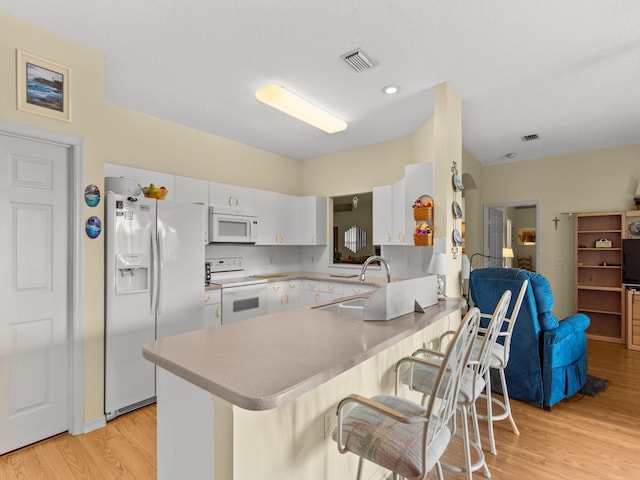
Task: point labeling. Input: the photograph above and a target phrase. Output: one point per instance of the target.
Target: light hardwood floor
(580, 438)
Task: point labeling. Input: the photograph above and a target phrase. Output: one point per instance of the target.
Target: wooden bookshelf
(598, 276)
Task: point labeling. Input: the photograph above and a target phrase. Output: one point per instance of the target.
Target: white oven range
(242, 297)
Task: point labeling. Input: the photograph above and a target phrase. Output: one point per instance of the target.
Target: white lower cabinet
(282, 296)
(212, 308)
(355, 289)
(310, 292)
(330, 291)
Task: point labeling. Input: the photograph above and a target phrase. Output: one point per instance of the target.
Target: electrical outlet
(330, 423)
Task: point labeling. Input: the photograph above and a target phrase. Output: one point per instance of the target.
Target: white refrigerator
(154, 288)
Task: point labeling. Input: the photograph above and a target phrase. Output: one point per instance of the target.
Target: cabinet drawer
(333, 288)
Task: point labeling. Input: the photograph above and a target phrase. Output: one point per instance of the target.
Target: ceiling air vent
(358, 60)
(528, 138)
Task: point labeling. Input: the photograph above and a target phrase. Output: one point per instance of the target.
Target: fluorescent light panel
(285, 101)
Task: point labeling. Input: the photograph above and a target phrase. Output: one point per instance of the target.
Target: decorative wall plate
(457, 183)
(457, 211)
(456, 237)
(93, 227)
(92, 195)
(635, 228)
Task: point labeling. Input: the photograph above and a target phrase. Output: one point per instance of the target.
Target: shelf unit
(599, 290)
(633, 319)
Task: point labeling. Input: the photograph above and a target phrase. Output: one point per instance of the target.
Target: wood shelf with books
(598, 274)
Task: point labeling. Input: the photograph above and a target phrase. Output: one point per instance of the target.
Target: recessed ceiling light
(391, 89)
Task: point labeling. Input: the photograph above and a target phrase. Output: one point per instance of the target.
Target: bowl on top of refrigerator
(155, 192)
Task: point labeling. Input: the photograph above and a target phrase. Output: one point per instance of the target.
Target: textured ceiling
(567, 70)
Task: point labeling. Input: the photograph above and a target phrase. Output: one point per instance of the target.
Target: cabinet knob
(276, 288)
(218, 311)
(230, 201)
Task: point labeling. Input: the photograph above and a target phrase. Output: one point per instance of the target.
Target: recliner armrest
(573, 323)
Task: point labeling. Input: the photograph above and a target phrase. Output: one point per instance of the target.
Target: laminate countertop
(264, 362)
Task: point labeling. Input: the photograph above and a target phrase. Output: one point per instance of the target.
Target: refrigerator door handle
(160, 273)
(154, 278)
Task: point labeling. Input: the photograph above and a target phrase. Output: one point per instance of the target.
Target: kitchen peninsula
(255, 398)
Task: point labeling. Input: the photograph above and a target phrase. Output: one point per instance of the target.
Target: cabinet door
(194, 190)
(231, 196)
(315, 220)
(268, 205)
(279, 218)
(293, 294)
(159, 179)
(276, 296)
(290, 226)
(114, 170)
(212, 309)
(382, 223)
(355, 289)
(398, 216)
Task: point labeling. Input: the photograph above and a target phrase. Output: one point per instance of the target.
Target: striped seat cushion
(393, 445)
(420, 377)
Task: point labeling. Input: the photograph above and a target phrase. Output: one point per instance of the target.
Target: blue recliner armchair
(548, 360)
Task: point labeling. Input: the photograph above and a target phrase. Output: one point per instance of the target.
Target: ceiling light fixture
(390, 89)
(285, 101)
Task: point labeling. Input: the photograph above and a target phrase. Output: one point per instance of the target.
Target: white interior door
(34, 291)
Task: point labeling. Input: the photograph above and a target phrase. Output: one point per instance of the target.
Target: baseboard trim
(95, 424)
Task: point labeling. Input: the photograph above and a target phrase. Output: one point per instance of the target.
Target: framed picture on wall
(526, 236)
(42, 87)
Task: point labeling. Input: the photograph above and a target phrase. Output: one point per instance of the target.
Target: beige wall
(597, 181)
(356, 170)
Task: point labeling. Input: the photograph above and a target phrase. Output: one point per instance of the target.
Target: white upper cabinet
(194, 190)
(315, 220)
(159, 179)
(393, 222)
(114, 170)
(231, 196)
(382, 223)
(400, 234)
(279, 218)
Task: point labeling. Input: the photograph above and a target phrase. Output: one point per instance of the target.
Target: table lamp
(438, 266)
(507, 253)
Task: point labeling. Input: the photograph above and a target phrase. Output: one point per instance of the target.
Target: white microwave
(232, 227)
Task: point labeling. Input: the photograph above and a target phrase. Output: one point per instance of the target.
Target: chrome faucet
(373, 258)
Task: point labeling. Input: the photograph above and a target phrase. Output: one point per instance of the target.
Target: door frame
(76, 270)
(522, 203)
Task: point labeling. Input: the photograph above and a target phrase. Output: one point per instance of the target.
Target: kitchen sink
(353, 307)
